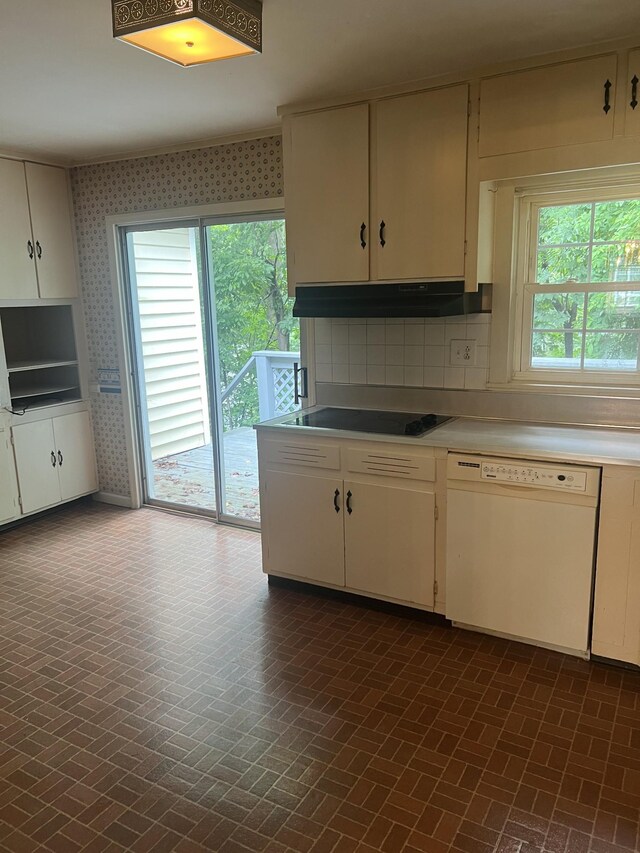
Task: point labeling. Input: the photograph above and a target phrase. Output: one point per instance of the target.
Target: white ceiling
(72, 93)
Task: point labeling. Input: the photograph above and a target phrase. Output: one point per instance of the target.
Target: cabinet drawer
(308, 454)
(391, 464)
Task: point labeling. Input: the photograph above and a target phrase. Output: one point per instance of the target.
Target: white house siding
(166, 280)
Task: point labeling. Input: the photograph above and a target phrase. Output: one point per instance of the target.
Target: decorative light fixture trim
(239, 19)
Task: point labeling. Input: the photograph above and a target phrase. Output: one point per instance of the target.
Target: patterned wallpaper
(234, 172)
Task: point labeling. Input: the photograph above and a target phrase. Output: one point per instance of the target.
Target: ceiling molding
(209, 142)
(471, 73)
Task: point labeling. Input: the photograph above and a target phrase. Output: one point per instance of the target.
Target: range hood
(434, 299)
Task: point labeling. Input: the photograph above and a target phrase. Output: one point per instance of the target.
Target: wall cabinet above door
(36, 233)
(571, 103)
(378, 192)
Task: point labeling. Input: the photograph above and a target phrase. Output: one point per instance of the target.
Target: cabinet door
(632, 98)
(616, 608)
(75, 454)
(18, 277)
(390, 541)
(547, 107)
(304, 533)
(37, 465)
(52, 231)
(8, 483)
(420, 184)
(327, 195)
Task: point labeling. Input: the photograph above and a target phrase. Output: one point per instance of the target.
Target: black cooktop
(363, 420)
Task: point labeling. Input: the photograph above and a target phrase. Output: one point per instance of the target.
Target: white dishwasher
(520, 549)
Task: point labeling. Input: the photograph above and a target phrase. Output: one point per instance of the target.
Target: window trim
(528, 203)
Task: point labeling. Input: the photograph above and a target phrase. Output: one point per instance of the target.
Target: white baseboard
(115, 500)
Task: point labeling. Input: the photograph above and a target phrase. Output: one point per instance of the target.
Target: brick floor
(155, 695)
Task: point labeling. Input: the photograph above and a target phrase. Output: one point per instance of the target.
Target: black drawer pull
(634, 92)
(60, 459)
(363, 242)
(383, 225)
(30, 249)
(349, 507)
(336, 505)
(38, 249)
(53, 459)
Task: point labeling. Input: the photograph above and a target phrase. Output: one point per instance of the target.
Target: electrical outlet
(463, 353)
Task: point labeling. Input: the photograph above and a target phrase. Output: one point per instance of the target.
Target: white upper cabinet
(36, 234)
(327, 195)
(336, 204)
(52, 231)
(419, 185)
(632, 96)
(567, 104)
(17, 250)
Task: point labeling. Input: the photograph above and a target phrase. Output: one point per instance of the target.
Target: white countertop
(596, 445)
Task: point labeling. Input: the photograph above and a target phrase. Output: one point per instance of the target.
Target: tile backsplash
(411, 352)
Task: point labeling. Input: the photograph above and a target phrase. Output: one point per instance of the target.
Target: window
(579, 289)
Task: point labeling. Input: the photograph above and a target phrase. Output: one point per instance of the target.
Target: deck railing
(274, 372)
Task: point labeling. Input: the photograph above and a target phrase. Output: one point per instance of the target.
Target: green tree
(564, 255)
(253, 310)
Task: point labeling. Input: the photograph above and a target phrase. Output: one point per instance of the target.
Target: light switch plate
(463, 353)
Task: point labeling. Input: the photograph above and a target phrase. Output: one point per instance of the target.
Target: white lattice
(283, 391)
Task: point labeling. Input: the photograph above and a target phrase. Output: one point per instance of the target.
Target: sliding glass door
(214, 344)
(257, 342)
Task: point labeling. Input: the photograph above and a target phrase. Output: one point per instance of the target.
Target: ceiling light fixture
(190, 32)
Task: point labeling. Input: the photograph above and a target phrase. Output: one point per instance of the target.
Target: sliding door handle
(297, 393)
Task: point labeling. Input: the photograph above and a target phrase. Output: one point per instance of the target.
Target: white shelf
(23, 366)
(44, 391)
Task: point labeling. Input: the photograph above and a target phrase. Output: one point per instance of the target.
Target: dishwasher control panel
(532, 475)
(522, 473)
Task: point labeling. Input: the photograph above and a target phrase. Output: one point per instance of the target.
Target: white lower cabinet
(616, 608)
(373, 534)
(306, 531)
(76, 455)
(37, 465)
(390, 541)
(9, 507)
(55, 461)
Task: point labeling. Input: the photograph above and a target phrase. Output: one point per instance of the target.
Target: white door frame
(119, 283)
